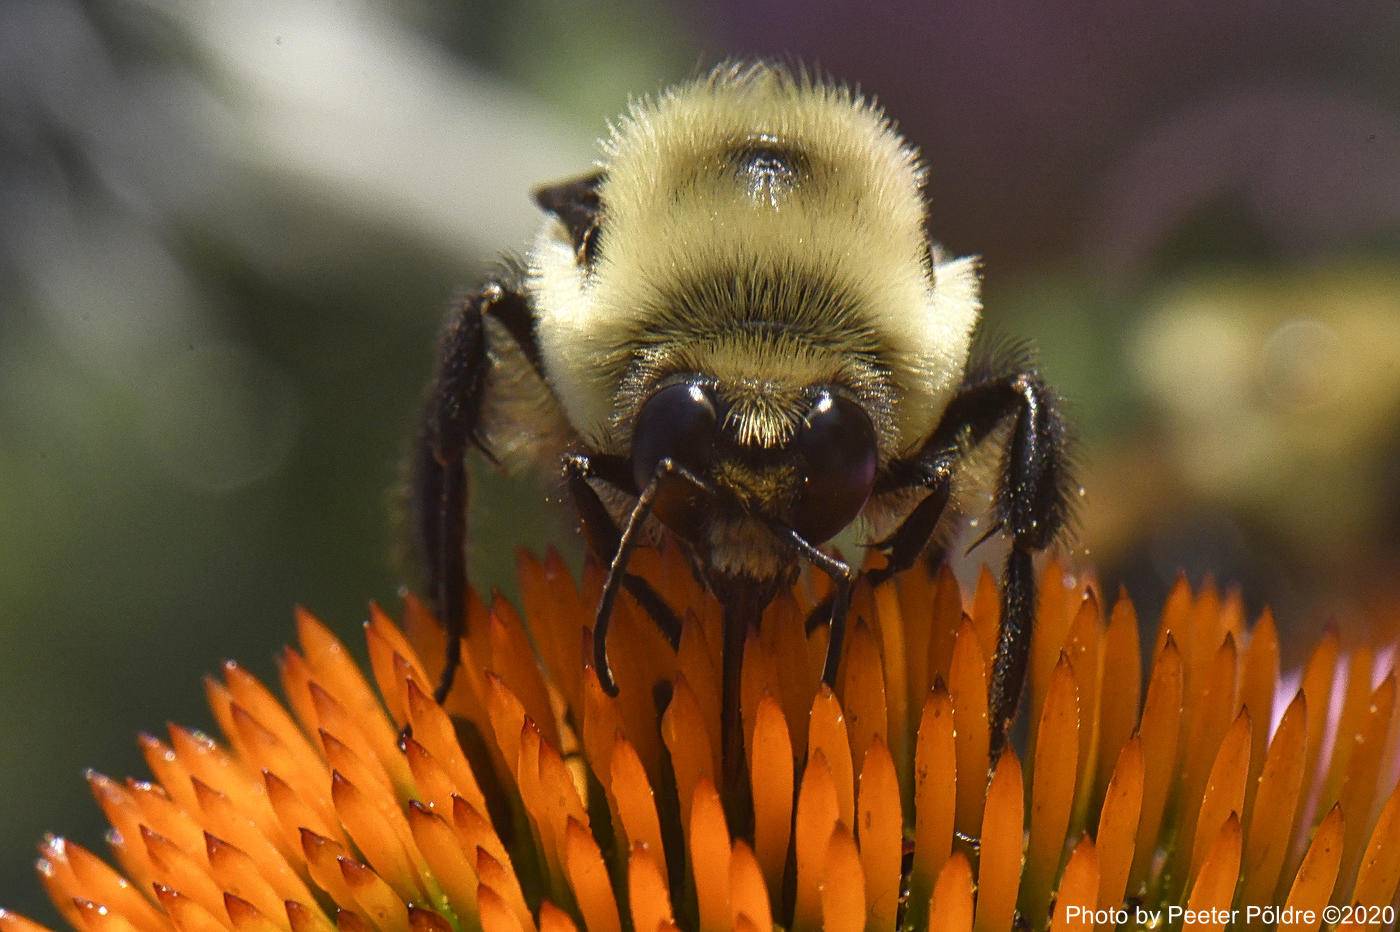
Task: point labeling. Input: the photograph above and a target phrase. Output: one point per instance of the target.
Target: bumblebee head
(813, 477)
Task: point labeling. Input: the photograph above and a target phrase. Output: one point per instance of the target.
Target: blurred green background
(228, 232)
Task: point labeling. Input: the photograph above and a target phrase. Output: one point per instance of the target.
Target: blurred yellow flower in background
(532, 800)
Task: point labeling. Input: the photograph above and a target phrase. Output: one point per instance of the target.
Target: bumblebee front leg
(612, 546)
(451, 423)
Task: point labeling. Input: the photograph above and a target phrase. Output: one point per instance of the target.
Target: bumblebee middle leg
(451, 424)
(1031, 506)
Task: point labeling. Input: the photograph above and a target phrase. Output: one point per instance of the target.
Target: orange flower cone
(534, 801)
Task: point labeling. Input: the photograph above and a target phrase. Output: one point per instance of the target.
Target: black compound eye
(838, 447)
(677, 422)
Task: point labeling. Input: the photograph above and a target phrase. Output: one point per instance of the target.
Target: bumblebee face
(815, 480)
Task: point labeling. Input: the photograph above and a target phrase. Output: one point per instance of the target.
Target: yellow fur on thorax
(673, 214)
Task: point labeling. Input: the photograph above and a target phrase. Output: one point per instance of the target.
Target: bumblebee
(737, 332)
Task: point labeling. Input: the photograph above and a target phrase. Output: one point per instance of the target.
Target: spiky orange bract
(536, 801)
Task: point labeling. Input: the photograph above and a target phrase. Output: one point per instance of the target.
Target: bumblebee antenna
(617, 569)
(843, 577)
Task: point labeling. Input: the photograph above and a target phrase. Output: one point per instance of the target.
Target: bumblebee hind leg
(451, 423)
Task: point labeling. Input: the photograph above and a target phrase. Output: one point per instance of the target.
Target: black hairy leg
(1031, 505)
(451, 424)
(612, 547)
(452, 412)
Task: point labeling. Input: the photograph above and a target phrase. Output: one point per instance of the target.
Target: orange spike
(1317, 875)
(322, 863)
(513, 660)
(1275, 803)
(247, 918)
(771, 778)
(967, 685)
(985, 612)
(700, 661)
(1121, 688)
(1118, 824)
(748, 892)
(500, 882)
(1056, 605)
(186, 915)
(370, 828)
(863, 691)
(1174, 615)
(14, 922)
(1079, 888)
(347, 920)
(221, 818)
(237, 875)
(158, 813)
(374, 898)
(338, 673)
(1258, 680)
(257, 700)
(914, 593)
(635, 802)
(294, 813)
(550, 600)
(1360, 788)
(165, 767)
(299, 764)
(602, 722)
(1223, 797)
(648, 897)
(58, 884)
(1161, 722)
(880, 822)
(69, 870)
(477, 834)
(387, 769)
(588, 878)
(1205, 724)
(433, 729)
(1052, 785)
(683, 729)
(818, 811)
(999, 873)
(1380, 864)
(388, 649)
(559, 793)
(496, 916)
(431, 782)
(1214, 887)
(507, 717)
(709, 857)
(1318, 675)
(446, 858)
(798, 660)
(554, 919)
(843, 886)
(1083, 645)
(303, 918)
(935, 795)
(758, 678)
(1355, 701)
(948, 618)
(827, 734)
(951, 907)
(900, 731)
(425, 920)
(180, 871)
